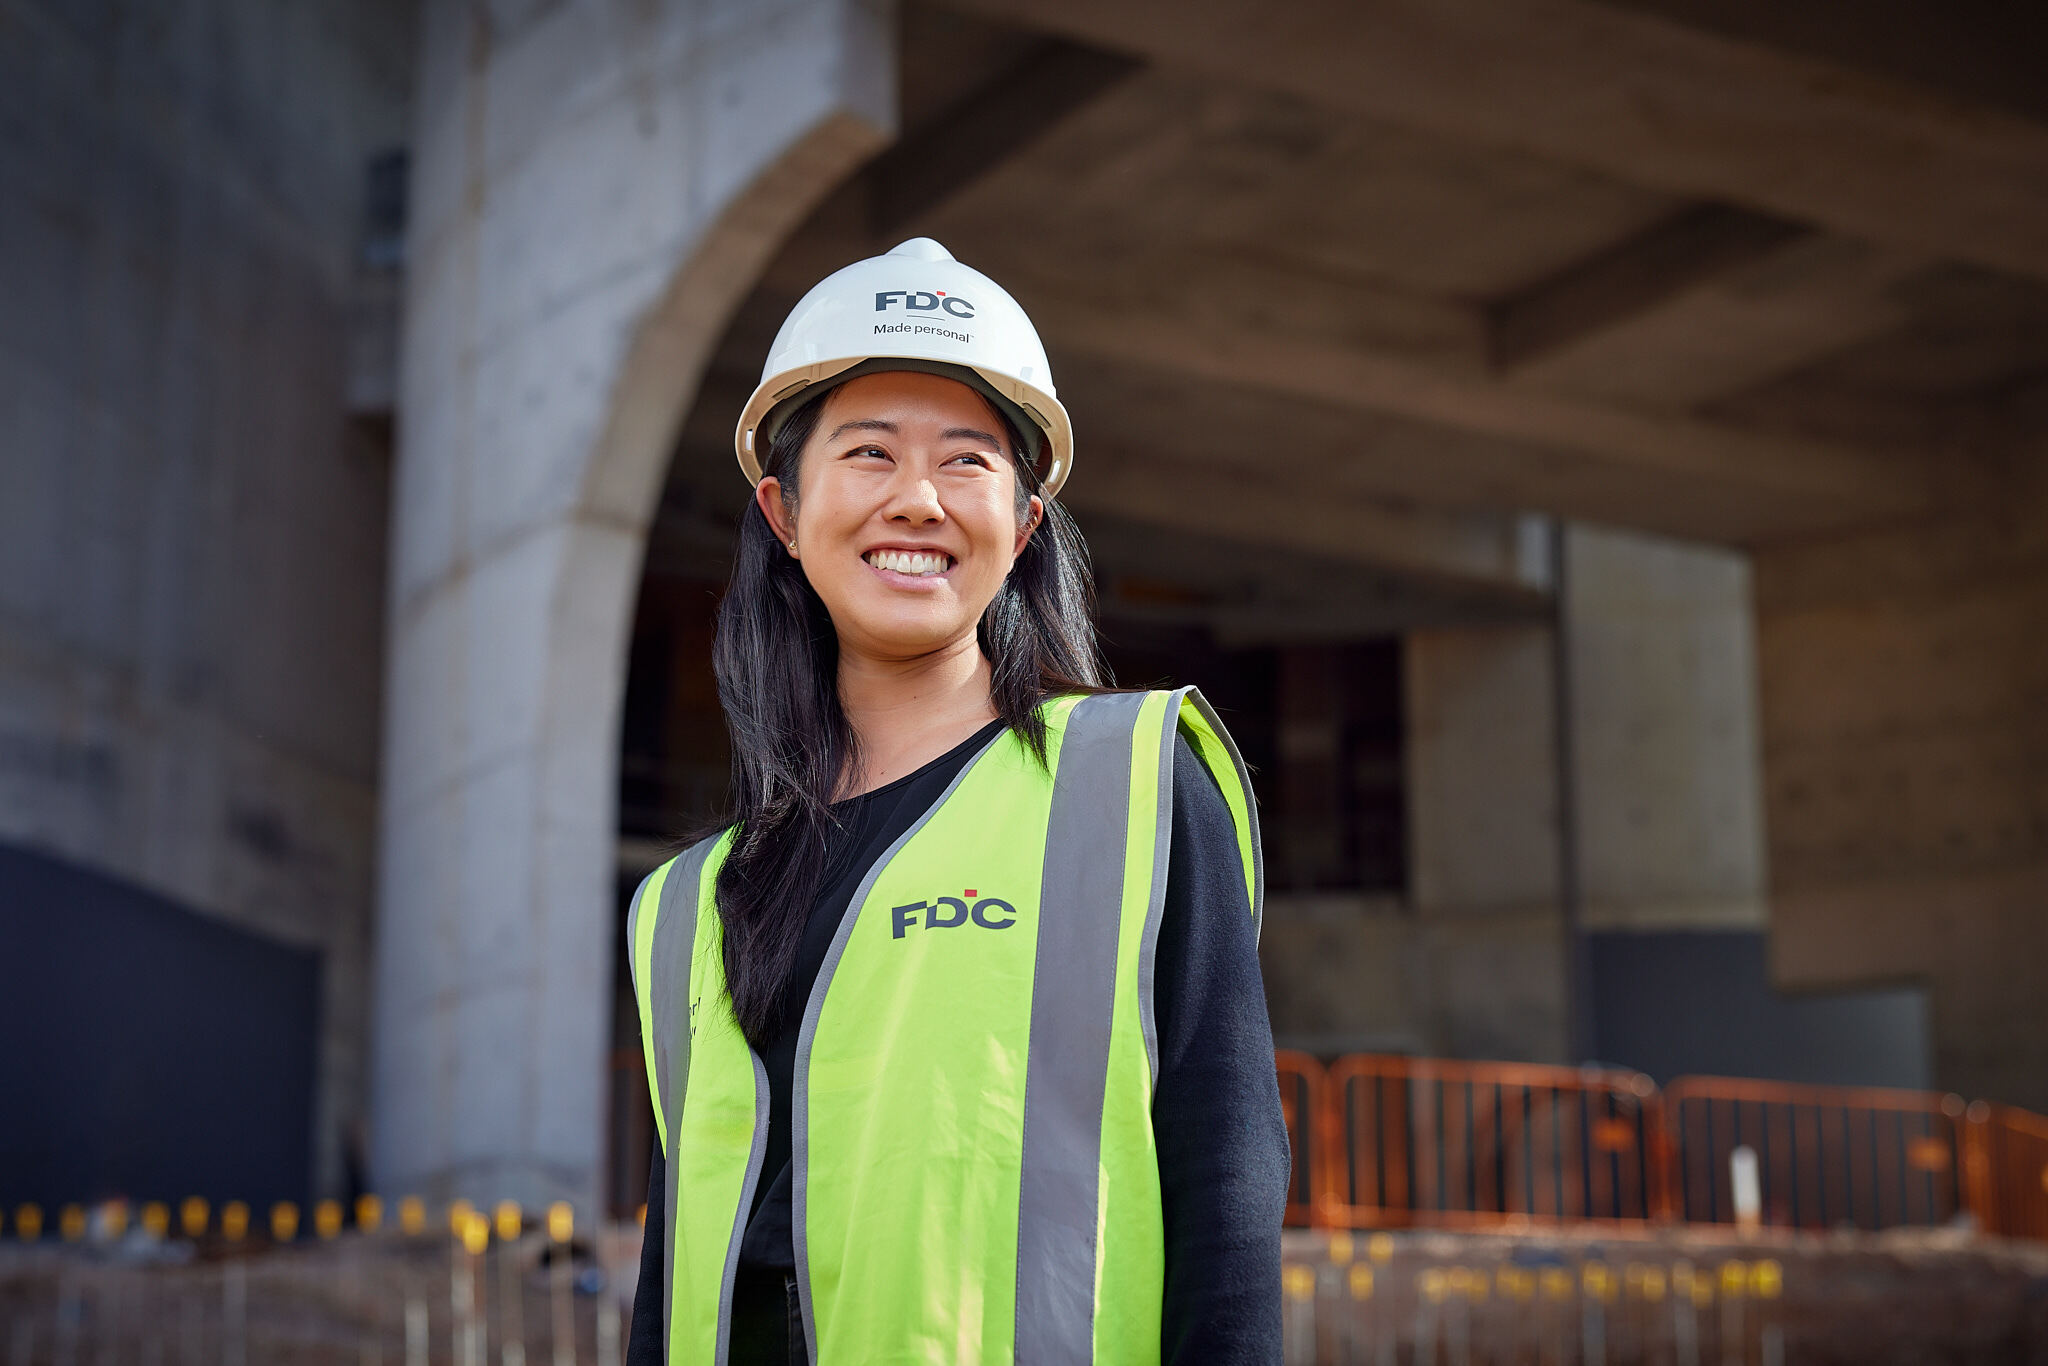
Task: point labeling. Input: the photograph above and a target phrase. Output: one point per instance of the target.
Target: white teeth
(908, 561)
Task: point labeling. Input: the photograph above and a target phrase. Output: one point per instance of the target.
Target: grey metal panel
(1073, 998)
(800, 1101)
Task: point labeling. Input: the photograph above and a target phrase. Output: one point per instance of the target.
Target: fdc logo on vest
(984, 913)
(924, 301)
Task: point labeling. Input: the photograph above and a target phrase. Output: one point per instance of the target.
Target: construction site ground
(1680, 1297)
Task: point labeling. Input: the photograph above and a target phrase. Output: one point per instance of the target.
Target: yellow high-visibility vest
(975, 1173)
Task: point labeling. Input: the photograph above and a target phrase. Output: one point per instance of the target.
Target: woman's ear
(1031, 521)
(768, 497)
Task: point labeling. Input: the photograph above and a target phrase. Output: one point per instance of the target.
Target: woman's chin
(904, 635)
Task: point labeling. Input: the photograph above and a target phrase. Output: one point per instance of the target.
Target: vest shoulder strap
(1197, 721)
(661, 930)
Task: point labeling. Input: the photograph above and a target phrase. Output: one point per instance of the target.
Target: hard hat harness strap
(1032, 435)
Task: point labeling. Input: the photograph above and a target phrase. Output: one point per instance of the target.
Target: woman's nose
(914, 496)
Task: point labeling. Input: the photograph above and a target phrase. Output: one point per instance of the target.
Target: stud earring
(792, 544)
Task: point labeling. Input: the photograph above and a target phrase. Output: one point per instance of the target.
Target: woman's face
(906, 518)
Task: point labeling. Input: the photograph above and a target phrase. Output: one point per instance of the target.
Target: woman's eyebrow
(875, 424)
(863, 424)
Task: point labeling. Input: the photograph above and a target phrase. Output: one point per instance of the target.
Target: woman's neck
(907, 712)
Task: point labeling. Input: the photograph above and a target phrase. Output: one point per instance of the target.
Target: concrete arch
(676, 340)
(595, 188)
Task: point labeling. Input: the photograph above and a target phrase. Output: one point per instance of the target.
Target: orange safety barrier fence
(2006, 1162)
(1419, 1141)
(1382, 1141)
(1301, 1102)
(1826, 1156)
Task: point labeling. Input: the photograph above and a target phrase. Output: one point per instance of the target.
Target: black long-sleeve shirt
(1223, 1154)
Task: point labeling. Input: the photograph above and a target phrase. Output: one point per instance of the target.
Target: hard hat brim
(1040, 408)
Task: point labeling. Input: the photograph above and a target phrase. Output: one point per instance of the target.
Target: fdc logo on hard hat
(922, 301)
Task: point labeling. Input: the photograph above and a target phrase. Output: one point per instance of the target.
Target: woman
(955, 1034)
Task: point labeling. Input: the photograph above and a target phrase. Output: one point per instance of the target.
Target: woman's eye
(869, 450)
(976, 457)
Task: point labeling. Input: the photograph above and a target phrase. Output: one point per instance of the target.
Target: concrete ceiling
(1375, 283)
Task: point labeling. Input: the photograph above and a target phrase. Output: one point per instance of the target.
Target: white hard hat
(913, 309)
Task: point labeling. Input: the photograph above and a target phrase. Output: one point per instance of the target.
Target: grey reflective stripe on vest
(1162, 845)
(722, 1344)
(668, 964)
(633, 948)
(1148, 950)
(800, 1097)
(1073, 996)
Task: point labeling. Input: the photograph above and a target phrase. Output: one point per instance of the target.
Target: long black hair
(777, 660)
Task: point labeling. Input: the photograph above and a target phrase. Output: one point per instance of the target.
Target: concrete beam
(1632, 95)
(1248, 592)
(1198, 333)
(1492, 554)
(1812, 296)
(995, 122)
(1631, 278)
(1983, 51)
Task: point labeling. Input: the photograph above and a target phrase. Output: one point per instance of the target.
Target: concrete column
(1483, 842)
(1667, 765)
(594, 188)
(1665, 774)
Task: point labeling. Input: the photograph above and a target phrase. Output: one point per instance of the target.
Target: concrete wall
(1905, 727)
(1483, 841)
(1345, 973)
(1667, 791)
(1470, 962)
(191, 532)
(595, 186)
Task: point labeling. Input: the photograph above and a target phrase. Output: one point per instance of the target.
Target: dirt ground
(377, 1300)
(1674, 1298)
(1681, 1298)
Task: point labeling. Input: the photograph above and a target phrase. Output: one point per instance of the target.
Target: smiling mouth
(918, 564)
